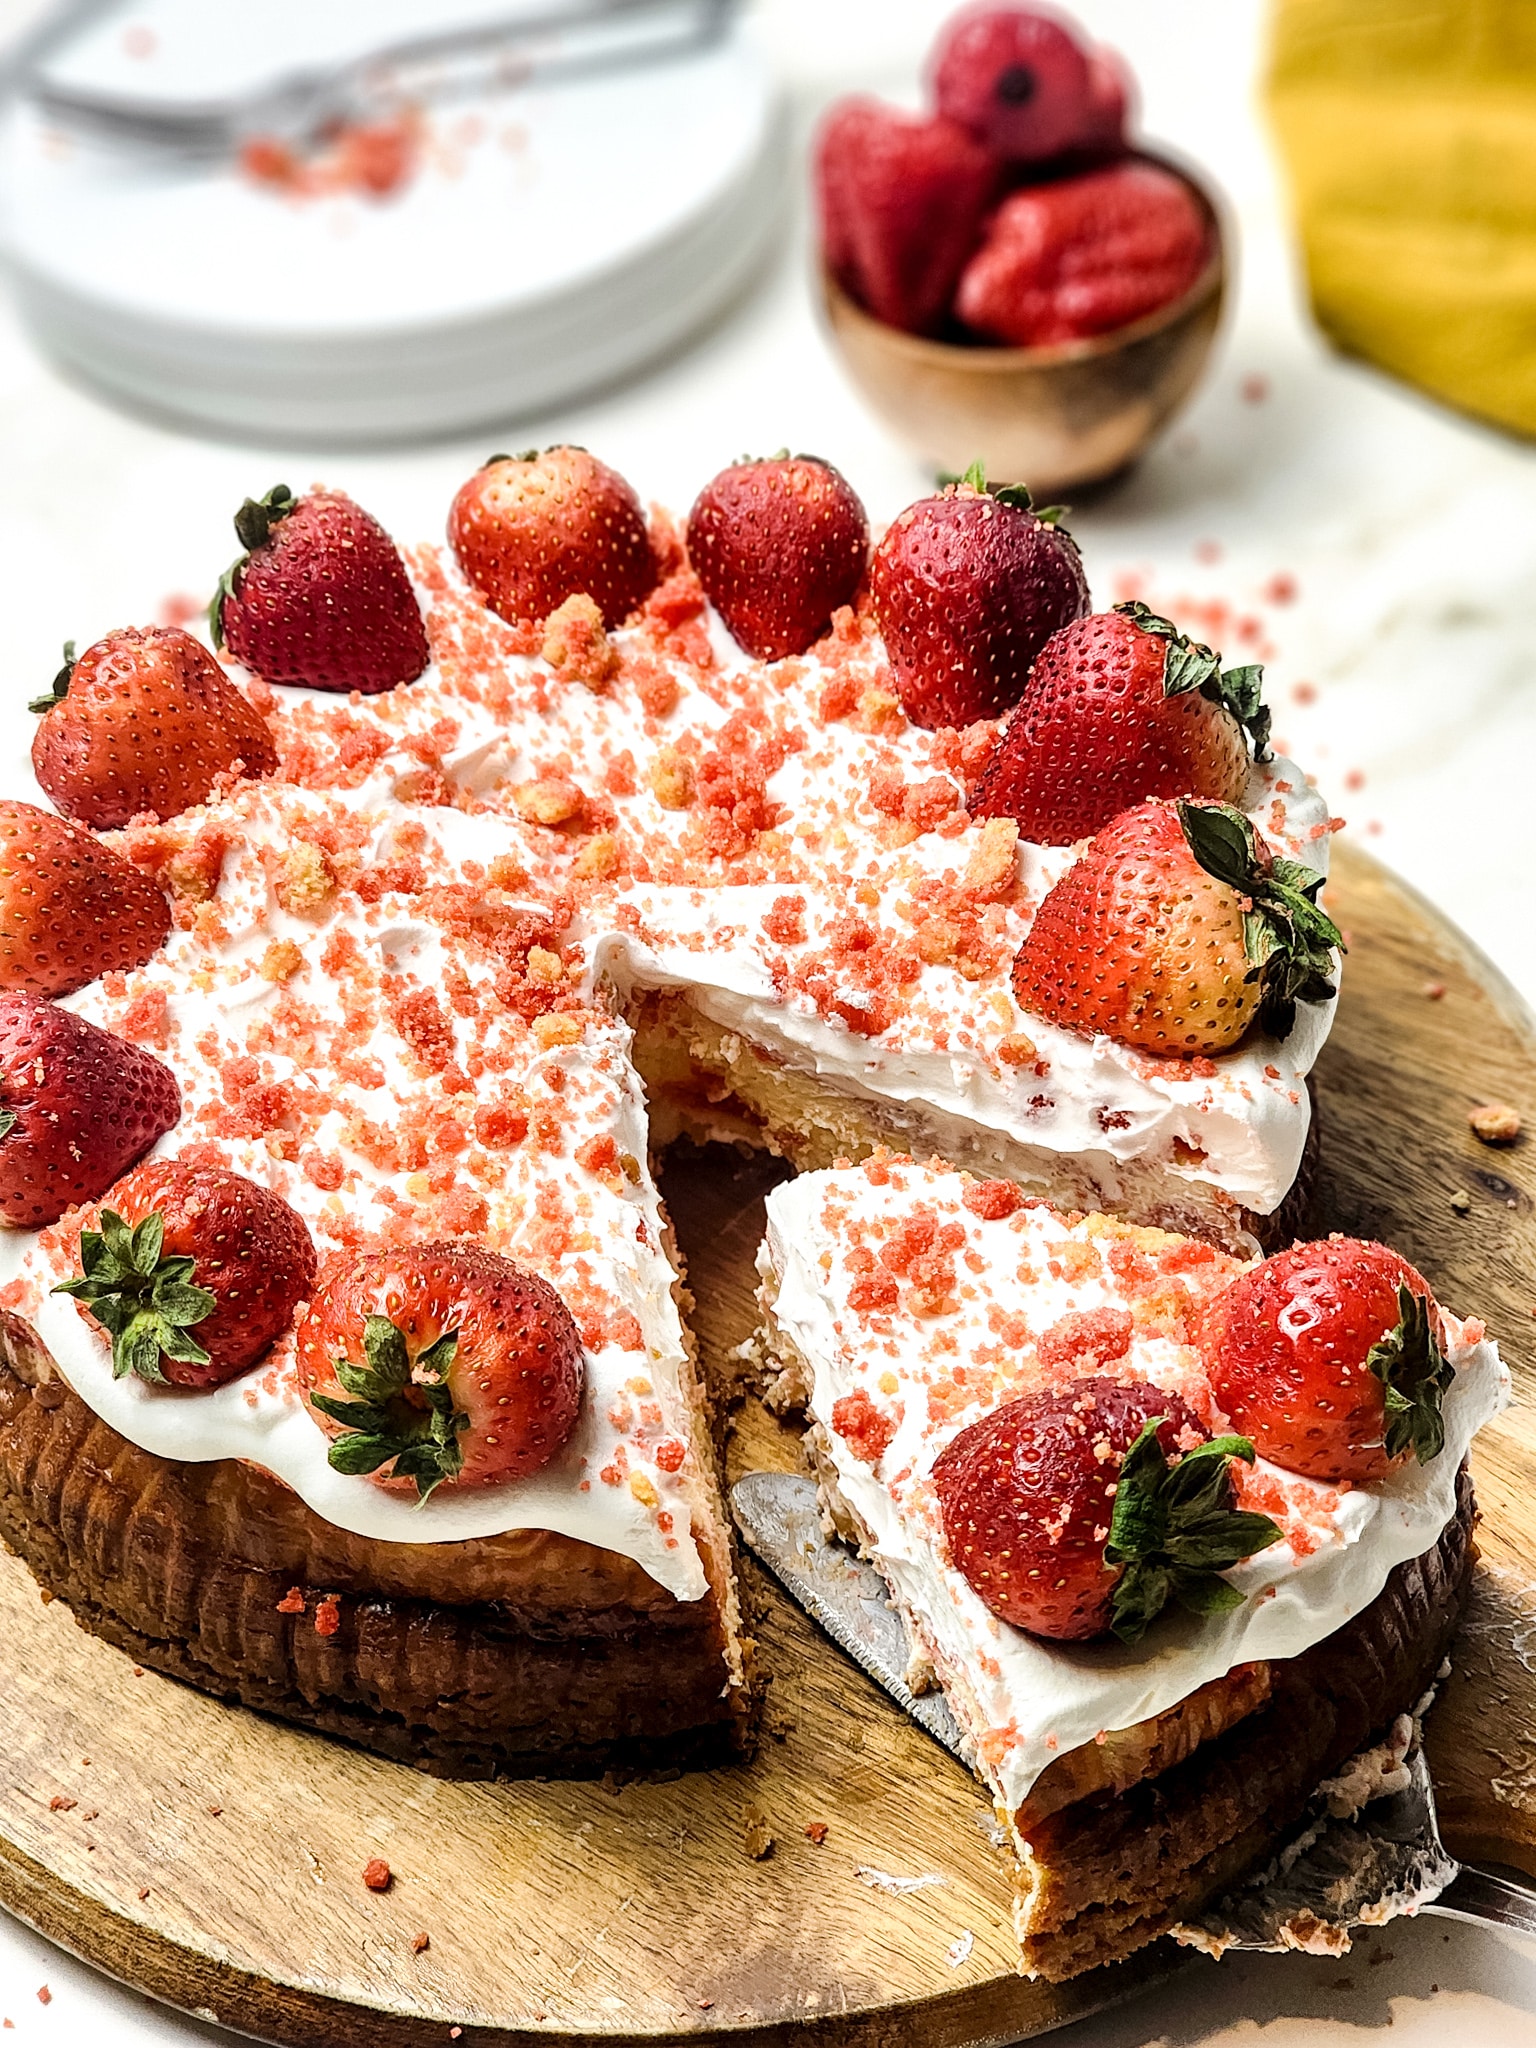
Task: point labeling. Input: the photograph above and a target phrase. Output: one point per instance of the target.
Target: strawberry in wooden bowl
(1007, 276)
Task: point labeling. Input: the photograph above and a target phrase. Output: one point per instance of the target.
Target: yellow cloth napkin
(1408, 129)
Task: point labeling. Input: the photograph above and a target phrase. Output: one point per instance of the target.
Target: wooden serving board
(214, 1859)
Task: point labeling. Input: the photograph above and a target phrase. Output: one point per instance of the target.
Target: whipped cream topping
(394, 993)
(923, 1315)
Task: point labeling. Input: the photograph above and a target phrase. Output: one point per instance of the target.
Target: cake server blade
(780, 1522)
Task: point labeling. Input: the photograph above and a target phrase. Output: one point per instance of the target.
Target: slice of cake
(1156, 1645)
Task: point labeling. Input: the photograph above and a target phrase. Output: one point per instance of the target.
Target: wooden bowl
(1052, 418)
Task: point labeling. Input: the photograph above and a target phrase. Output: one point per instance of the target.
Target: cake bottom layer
(528, 1653)
(709, 1081)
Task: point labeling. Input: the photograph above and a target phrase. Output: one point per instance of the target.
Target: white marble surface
(1403, 670)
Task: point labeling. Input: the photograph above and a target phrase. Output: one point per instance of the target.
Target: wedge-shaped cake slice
(1020, 1413)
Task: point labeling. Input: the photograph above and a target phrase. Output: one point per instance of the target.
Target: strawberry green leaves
(1414, 1373)
(1289, 938)
(1016, 496)
(401, 1410)
(1176, 1531)
(253, 529)
(58, 689)
(8, 1121)
(1187, 665)
(145, 1301)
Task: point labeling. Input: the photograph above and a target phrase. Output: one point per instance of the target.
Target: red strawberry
(778, 546)
(320, 597)
(462, 1368)
(1083, 256)
(1174, 930)
(901, 199)
(70, 908)
(1071, 1513)
(146, 720)
(195, 1272)
(1328, 1355)
(1119, 706)
(968, 587)
(1018, 80)
(532, 530)
(77, 1108)
(1111, 90)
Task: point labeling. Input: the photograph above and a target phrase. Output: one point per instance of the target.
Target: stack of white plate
(555, 237)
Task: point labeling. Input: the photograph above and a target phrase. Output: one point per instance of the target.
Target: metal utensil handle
(1479, 1895)
(302, 101)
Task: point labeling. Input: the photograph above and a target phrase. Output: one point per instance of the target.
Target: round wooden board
(214, 1859)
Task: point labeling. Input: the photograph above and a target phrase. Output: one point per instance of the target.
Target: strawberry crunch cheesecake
(355, 979)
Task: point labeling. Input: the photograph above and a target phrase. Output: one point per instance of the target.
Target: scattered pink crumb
(1254, 388)
(1374, 826)
(1434, 990)
(1304, 693)
(1208, 550)
(1281, 588)
(180, 608)
(139, 40)
(377, 1875)
(44, 1995)
(1354, 778)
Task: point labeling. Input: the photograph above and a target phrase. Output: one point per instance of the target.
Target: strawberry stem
(257, 517)
(1288, 937)
(1190, 665)
(403, 1410)
(1176, 1531)
(1414, 1374)
(253, 528)
(58, 689)
(145, 1300)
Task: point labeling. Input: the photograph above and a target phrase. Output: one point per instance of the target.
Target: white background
(1404, 673)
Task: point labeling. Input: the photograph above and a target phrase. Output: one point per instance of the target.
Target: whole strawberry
(778, 546)
(532, 530)
(1328, 1355)
(77, 1107)
(1120, 706)
(901, 199)
(445, 1362)
(70, 908)
(194, 1271)
(1083, 256)
(1071, 1512)
(1018, 80)
(968, 587)
(146, 720)
(1174, 931)
(320, 597)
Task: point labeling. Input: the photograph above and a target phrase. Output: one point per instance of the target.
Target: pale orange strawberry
(532, 530)
(1174, 931)
(146, 720)
(70, 908)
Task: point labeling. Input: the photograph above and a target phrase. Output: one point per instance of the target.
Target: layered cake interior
(907, 1303)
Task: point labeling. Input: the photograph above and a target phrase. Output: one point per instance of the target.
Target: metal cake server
(1338, 1874)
